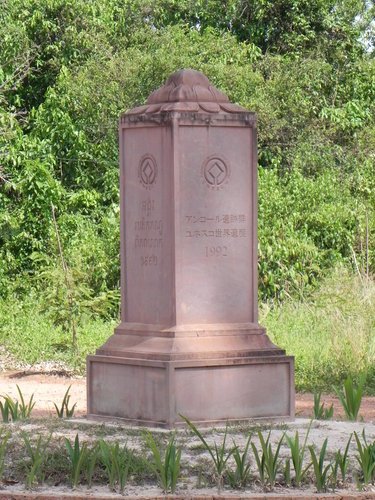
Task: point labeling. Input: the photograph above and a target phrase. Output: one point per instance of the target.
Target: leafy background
(68, 68)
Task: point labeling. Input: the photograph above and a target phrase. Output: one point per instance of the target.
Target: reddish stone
(189, 341)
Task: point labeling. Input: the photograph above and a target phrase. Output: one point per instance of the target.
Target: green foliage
(321, 471)
(64, 409)
(330, 333)
(25, 409)
(5, 410)
(77, 455)
(31, 336)
(117, 464)
(286, 472)
(168, 468)
(38, 457)
(4, 438)
(342, 461)
(320, 412)
(218, 454)
(13, 410)
(299, 236)
(366, 458)
(92, 458)
(298, 455)
(350, 398)
(240, 476)
(267, 460)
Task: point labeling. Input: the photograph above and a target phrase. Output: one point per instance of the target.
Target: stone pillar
(189, 341)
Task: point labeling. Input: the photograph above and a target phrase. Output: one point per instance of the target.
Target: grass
(30, 336)
(117, 462)
(77, 454)
(166, 466)
(4, 438)
(37, 456)
(342, 461)
(365, 458)
(240, 475)
(267, 459)
(218, 453)
(331, 333)
(321, 468)
(13, 410)
(64, 409)
(44, 459)
(350, 398)
(320, 412)
(297, 453)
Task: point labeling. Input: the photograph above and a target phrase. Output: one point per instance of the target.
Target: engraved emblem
(147, 171)
(215, 172)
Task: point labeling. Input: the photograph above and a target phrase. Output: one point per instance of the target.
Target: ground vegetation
(69, 68)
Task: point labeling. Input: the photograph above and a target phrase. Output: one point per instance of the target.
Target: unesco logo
(147, 171)
(215, 172)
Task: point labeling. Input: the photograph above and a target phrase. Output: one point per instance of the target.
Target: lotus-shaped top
(188, 90)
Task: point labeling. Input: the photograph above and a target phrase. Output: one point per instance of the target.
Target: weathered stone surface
(188, 90)
(189, 340)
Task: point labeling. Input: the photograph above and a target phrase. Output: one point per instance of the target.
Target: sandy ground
(49, 389)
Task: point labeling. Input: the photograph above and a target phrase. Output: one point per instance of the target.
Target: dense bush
(331, 334)
(67, 69)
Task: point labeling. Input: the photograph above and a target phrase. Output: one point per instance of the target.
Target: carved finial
(187, 85)
(188, 90)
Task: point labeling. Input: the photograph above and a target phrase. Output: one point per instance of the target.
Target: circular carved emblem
(215, 171)
(147, 171)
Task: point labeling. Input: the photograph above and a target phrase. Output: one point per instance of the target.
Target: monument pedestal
(189, 342)
(161, 374)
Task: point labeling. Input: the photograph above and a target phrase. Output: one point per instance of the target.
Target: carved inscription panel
(147, 247)
(216, 226)
(148, 234)
(216, 232)
(216, 171)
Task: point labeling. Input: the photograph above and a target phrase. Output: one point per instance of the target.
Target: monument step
(240, 344)
(190, 330)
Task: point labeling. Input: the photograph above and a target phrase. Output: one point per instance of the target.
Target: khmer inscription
(148, 234)
(148, 242)
(147, 207)
(149, 225)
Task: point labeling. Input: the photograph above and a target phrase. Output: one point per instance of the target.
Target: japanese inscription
(217, 230)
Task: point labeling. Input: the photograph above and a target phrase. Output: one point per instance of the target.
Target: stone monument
(189, 341)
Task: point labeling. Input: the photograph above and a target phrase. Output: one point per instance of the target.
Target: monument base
(150, 377)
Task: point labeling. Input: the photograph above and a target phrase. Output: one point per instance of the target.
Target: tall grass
(331, 334)
(30, 336)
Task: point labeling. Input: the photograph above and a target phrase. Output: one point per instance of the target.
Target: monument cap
(188, 90)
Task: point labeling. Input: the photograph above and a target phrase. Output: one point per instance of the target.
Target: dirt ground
(49, 389)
